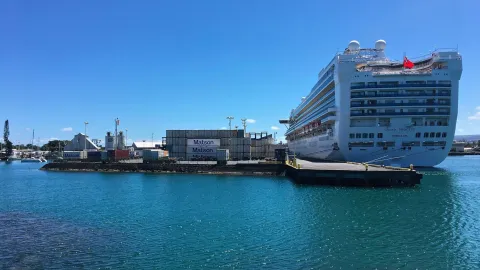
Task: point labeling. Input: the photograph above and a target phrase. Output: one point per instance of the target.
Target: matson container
(203, 142)
(201, 150)
(74, 154)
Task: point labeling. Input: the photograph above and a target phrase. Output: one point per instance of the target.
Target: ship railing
(325, 100)
(402, 104)
(314, 115)
(403, 85)
(398, 113)
(402, 95)
(313, 94)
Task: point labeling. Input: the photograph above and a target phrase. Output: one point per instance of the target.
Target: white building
(142, 145)
(78, 144)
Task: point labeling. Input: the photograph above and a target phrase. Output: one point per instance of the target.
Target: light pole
(244, 124)
(230, 118)
(85, 141)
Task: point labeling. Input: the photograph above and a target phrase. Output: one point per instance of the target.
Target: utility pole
(230, 118)
(126, 136)
(116, 133)
(244, 124)
(85, 141)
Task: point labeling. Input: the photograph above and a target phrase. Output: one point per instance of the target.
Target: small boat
(33, 160)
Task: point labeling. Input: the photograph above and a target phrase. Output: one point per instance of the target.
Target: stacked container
(116, 155)
(153, 155)
(94, 156)
(223, 155)
(75, 155)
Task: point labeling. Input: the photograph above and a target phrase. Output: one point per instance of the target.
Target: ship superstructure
(368, 108)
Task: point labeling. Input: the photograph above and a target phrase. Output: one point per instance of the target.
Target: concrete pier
(350, 174)
(299, 171)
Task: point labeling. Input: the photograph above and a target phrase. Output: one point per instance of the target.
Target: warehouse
(81, 142)
(204, 144)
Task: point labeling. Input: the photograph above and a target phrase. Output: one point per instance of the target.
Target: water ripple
(138, 221)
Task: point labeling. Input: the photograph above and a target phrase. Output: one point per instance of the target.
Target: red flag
(407, 63)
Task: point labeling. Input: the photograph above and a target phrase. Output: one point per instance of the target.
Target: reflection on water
(92, 220)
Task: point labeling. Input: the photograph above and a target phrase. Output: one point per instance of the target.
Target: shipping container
(115, 155)
(203, 157)
(104, 155)
(201, 149)
(151, 155)
(169, 133)
(94, 154)
(203, 142)
(223, 154)
(74, 154)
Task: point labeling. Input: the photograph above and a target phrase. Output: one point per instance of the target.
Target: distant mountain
(467, 138)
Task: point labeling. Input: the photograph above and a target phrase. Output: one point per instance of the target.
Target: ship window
(432, 134)
(371, 135)
(380, 135)
(365, 135)
(352, 135)
(358, 135)
(418, 135)
(444, 134)
(425, 135)
(437, 135)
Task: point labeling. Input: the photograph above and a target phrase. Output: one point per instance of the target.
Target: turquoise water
(59, 220)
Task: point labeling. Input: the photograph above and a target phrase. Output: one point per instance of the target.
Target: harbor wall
(240, 169)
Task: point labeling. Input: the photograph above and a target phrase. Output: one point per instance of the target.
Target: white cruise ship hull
(322, 148)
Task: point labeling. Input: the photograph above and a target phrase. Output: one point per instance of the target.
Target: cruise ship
(368, 108)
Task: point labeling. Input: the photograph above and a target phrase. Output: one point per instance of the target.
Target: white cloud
(475, 116)
(28, 129)
(478, 108)
(53, 139)
(459, 130)
(67, 129)
(223, 128)
(275, 128)
(251, 121)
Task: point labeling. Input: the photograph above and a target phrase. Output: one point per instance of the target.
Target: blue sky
(161, 65)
